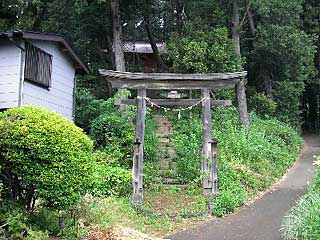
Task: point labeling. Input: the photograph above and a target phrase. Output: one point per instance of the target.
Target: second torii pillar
(209, 149)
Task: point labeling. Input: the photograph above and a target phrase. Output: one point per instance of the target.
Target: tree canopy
(279, 41)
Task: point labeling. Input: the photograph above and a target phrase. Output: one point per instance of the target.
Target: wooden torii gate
(163, 81)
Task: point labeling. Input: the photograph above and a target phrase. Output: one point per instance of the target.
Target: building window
(38, 66)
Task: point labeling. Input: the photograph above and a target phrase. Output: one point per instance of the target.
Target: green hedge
(43, 156)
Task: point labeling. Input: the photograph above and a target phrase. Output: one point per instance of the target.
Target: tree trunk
(236, 26)
(180, 14)
(117, 41)
(242, 100)
(110, 50)
(267, 83)
(251, 23)
(154, 47)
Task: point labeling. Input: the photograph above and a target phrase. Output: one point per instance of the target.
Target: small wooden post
(214, 170)
(206, 144)
(242, 102)
(214, 175)
(137, 168)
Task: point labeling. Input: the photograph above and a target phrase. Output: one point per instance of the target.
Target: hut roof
(65, 46)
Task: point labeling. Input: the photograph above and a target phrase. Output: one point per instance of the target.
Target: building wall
(59, 98)
(10, 65)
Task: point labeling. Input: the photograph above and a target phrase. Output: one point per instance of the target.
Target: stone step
(169, 181)
(163, 130)
(166, 147)
(172, 165)
(181, 186)
(164, 140)
(164, 164)
(171, 152)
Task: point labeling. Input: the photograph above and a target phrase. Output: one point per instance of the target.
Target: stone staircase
(167, 163)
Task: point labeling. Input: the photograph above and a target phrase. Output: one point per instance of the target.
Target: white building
(39, 69)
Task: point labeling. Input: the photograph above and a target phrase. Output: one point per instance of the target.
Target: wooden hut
(38, 69)
(142, 51)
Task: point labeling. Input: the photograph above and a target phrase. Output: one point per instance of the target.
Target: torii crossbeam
(162, 81)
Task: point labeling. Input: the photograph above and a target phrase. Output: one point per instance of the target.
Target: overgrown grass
(303, 220)
(250, 160)
(114, 211)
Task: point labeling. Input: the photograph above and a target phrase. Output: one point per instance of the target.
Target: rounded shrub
(262, 105)
(43, 156)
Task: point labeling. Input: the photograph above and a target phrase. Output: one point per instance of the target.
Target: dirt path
(261, 220)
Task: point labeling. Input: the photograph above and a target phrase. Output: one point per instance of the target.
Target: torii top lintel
(213, 81)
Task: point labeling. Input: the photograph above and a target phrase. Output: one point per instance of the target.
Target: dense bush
(262, 105)
(14, 220)
(87, 109)
(250, 160)
(114, 135)
(111, 180)
(43, 156)
(203, 52)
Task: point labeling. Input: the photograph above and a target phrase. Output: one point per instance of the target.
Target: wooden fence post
(206, 144)
(137, 168)
(242, 102)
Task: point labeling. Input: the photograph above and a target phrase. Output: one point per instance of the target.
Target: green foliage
(110, 180)
(187, 140)
(151, 141)
(64, 224)
(44, 156)
(250, 160)
(203, 52)
(17, 14)
(14, 220)
(18, 224)
(282, 60)
(303, 220)
(47, 220)
(88, 108)
(114, 135)
(284, 12)
(227, 94)
(287, 95)
(262, 105)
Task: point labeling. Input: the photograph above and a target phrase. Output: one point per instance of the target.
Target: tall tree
(117, 36)
(311, 96)
(236, 26)
(282, 59)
